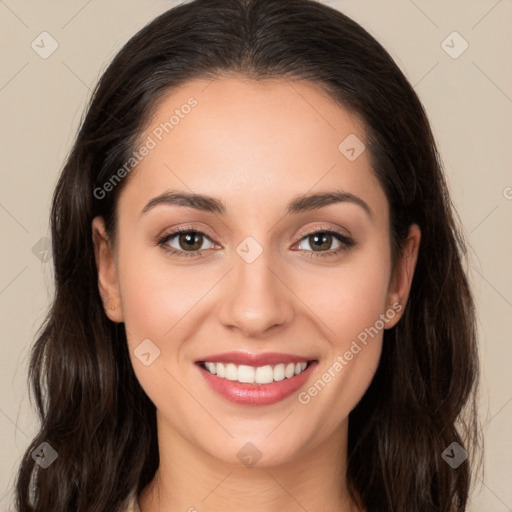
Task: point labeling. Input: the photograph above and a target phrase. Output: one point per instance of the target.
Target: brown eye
(184, 242)
(191, 241)
(320, 242)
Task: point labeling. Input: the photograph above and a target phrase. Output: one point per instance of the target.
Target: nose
(256, 298)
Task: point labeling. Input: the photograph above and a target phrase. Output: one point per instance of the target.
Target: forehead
(252, 142)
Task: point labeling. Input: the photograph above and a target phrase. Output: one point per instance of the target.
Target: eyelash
(346, 243)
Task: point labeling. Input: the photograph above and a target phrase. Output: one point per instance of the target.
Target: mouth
(254, 374)
(263, 379)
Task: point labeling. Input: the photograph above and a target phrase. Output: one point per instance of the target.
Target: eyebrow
(212, 204)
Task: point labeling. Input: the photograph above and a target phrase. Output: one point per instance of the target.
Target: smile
(258, 375)
(255, 379)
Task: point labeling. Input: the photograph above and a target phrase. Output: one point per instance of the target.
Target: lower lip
(257, 394)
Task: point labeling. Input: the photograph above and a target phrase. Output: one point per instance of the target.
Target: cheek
(158, 302)
(351, 296)
(351, 306)
(162, 302)
(146, 300)
(156, 294)
(144, 294)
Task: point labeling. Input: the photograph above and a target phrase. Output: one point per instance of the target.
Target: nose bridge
(256, 298)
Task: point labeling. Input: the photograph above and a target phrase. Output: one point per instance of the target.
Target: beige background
(469, 102)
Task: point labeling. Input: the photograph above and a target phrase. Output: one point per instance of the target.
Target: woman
(260, 296)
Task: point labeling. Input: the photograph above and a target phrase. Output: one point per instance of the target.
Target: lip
(271, 358)
(256, 394)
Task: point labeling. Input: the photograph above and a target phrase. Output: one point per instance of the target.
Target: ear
(401, 280)
(107, 272)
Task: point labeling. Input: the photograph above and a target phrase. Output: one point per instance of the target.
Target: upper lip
(246, 358)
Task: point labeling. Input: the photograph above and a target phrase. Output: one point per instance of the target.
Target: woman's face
(261, 275)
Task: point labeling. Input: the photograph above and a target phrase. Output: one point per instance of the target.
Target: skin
(256, 146)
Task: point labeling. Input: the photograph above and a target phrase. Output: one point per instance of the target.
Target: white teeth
(231, 372)
(211, 367)
(264, 374)
(246, 373)
(221, 370)
(279, 372)
(251, 374)
(290, 370)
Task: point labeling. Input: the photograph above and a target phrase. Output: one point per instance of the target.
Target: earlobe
(108, 285)
(403, 274)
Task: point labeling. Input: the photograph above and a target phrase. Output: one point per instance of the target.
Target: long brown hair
(93, 411)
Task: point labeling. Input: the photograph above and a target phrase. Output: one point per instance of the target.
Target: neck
(188, 479)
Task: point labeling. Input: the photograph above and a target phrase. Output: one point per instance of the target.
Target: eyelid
(322, 227)
(162, 239)
(346, 240)
(184, 229)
